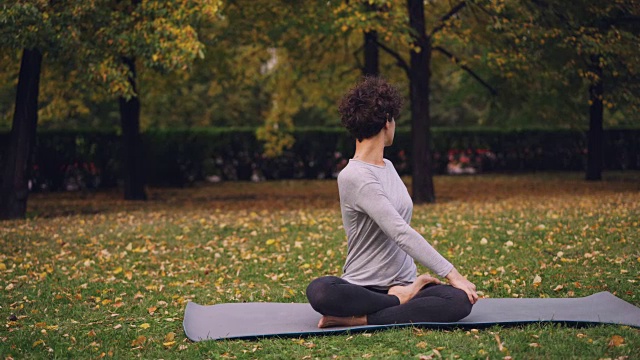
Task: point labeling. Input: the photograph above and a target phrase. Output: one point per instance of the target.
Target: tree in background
(159, 35)
(103, 38)
(307, 61)
(281, 64)
(231, 86)
(25, 26)
(582, 51)
(421, 43)
(15, 189)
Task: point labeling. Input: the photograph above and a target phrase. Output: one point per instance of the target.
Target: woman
(379, 284)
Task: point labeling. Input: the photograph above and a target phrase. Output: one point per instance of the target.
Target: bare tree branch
(447, 16)
(467, 69)
(400, 61)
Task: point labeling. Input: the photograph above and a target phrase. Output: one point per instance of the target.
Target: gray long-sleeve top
(376, 212)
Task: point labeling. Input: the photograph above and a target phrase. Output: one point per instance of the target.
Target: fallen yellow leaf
(616, 340)
(170, 336)
(139, 341)
(537, 280)
(36, 343)
(145, 326)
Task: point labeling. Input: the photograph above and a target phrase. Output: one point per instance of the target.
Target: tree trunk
(371, 55)
(420, 74)
(15, 177)
(596, 133)
(133, 157)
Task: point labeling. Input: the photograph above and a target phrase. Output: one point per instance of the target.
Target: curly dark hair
(366, 108)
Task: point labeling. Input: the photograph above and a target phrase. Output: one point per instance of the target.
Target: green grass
(84, 274)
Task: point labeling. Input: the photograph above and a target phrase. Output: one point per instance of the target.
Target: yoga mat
(260, 320)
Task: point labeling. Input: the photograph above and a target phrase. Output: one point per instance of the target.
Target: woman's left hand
(460, 282)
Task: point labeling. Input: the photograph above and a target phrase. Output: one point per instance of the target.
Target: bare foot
(329, 321)
(407, 292)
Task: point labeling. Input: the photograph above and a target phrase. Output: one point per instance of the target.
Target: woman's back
(372, 258)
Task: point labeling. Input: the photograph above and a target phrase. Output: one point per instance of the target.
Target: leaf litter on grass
(115, 279)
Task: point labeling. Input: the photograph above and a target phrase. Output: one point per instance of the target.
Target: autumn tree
(421, 42)
(384, 25)
(106, 39)
(586, 50)
(253, 52)
(26, 26)
(302, 67)
(155, 35)
(604, 41)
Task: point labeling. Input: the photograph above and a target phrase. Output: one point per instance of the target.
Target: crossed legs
(346, 304)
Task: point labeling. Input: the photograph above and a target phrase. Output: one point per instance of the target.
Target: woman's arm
(372, 200)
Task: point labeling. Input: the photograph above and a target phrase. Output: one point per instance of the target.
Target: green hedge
(180, 157)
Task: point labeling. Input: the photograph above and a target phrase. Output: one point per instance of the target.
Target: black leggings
(333, 296)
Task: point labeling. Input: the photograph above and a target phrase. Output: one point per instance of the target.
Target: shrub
(65, 159)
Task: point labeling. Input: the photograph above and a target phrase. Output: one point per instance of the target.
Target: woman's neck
(370, 150)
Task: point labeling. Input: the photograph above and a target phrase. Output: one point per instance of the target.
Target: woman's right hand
(460, 282)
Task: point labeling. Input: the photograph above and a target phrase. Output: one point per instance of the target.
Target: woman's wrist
(453, 274)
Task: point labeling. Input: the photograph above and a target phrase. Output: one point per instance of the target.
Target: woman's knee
(461, 303)
(319, 293)
(458, 302)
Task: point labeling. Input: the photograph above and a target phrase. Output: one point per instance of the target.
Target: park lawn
(90, 276)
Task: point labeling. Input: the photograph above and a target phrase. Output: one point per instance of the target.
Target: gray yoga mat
(259, 320)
